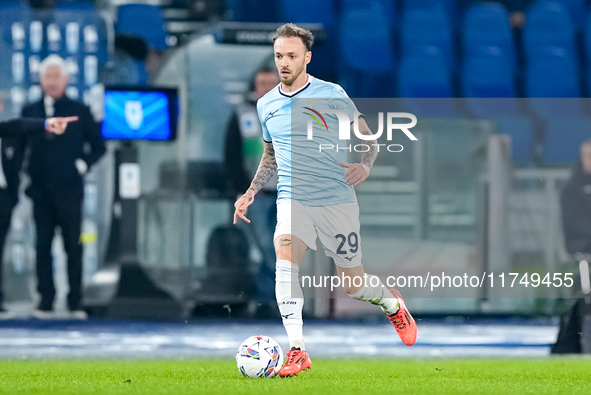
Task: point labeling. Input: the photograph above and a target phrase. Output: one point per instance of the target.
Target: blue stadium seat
(449, 6)
(425, 77)
(489, 77)
(587, 34)
(487, 25)
(548, 24)
(132, 19)
(5, 72)
(425, 30)
(553, 76)
(14, 12)
(367, 57)
(15, 18)
(521, 131)
(388, 6)
(563, 139)
(13, 4)
(576, 10)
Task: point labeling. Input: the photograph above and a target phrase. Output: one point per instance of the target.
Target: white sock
(290, 300)
(375, 292)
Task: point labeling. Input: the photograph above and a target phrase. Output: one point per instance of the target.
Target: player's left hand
(58, 125)
(355, 174)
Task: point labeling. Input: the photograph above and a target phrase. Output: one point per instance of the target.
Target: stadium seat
(14, 11)
(425, 30)
(366, 50)
(425, 77)
(587, 35)
(5, 73)
(388, 6)
(489, 77)
(553, 76)
(563, 139)
(576, 11)
(131, 18)
(521, 132)
(449, 6)
(15, 18)
(487, 25)
(548, 24)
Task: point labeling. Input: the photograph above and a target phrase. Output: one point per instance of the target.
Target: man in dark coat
(575, 201)
(13, 135)
(56, 167)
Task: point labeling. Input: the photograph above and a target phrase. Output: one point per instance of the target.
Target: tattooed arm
(358, 172)
(267, 168)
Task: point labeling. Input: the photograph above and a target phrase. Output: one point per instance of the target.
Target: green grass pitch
(382, 376)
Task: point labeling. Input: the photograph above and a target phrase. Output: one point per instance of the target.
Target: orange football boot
(297, 361)
(403, 322)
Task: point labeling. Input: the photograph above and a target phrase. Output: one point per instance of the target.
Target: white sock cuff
(286, 271)
(362, 293)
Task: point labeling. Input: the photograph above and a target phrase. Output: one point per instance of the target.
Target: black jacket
(14, 138)
(575, 201)
(234, 157)
(52, 164)
(19, 127)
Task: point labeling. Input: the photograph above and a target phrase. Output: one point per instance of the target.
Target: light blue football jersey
(306, 173)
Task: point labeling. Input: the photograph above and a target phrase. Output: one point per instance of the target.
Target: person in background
(243, 150)
(575, 201)
(57, 165)
(12, 148)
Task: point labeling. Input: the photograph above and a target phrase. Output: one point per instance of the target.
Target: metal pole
(498, 170)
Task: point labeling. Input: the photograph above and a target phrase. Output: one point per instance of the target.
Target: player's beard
(294, 75)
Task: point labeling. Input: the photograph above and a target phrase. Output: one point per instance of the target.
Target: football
(259, 356)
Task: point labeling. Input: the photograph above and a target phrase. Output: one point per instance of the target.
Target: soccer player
(316, 196)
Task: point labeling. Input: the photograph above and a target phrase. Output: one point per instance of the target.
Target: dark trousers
(6, 206)
(63, 210)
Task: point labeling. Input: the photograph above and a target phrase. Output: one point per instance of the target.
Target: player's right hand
(58, 125)
(242, 204)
